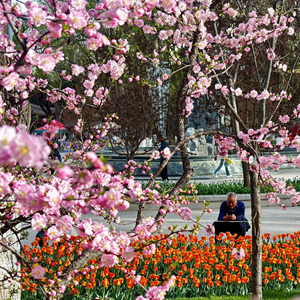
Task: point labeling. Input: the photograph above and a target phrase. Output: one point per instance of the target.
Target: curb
(215, 201)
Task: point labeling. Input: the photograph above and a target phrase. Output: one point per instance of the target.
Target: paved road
(274, 219)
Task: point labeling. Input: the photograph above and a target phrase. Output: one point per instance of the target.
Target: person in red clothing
(295, 131)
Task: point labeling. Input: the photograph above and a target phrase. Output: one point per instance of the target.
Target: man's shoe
(229, 175)
(216, 175)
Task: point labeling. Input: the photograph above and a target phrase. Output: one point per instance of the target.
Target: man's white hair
(231, 195)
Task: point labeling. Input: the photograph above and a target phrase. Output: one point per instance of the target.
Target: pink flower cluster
(22, 148)
(225, 144)
(158, 293)
(166, 153)
(238, 253)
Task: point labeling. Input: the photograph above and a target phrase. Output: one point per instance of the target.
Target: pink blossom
(92, 29)
(65, 224)
(122, 205)
(55, 28)
(159, 292)
(155, 155)
(142, 231)
(108, 260)
(38, 222)
(238, 253)
(6, 179)
(265, 94)
(253, 94)
(38, 272)
(270, 54)
(150, 249)
(76, 70)
(128, 254)
(91, 157)
(232, 12)
(163, 35)
(224, 90)
(284, 119)
(291, 31)
(238, 92)
(10, 81)
(37, 16)
(29, 150)
(209, 230)
(185, 213)
(139, 23)
(168, 5)
(166, 153)
(147, 29)
(65, 173)
(7, 135)
(53, 233)
(46, 62)
(165, 76)
(77, 19)
(284, 207)
(123, 239)
(109, 19)
(122, 15)
(78, 4)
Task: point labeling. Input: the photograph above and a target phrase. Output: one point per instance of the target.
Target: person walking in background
(222, 152)
(224, 161)
(163, 144)
(54, 144)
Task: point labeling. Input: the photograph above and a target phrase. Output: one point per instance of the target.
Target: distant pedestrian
(55, 146)
(224, 161)
(163, 144)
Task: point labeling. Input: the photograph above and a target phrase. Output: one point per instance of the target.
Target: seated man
(232, 217)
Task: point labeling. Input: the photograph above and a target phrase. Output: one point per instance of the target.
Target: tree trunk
(246, 174)
(25, 115)
(256, 238)
(9, 290)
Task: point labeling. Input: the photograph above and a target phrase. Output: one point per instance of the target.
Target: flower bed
(222, 188)
(201, 266)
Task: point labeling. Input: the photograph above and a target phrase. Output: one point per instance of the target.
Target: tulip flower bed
(201, 266)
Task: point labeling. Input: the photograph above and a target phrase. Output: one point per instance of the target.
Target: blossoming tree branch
(212, 45)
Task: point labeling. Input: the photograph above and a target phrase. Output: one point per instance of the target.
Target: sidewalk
(216, 200)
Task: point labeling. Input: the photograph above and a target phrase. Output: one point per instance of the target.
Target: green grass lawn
(267, 295)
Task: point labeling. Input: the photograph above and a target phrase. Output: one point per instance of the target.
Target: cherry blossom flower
(38, 222)
(284, 119)
(128, 254)
(166, 153)
(108, 260)
(38, 272)
(185, 213)
(209, 230)
(238, 253)
(155, 155)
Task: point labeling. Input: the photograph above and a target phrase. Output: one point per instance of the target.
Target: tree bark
(256, 237)
(246, 174)
(9, 290)
(78, 264)
(25, 115)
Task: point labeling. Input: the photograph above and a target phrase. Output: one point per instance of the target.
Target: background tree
(205, 43)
